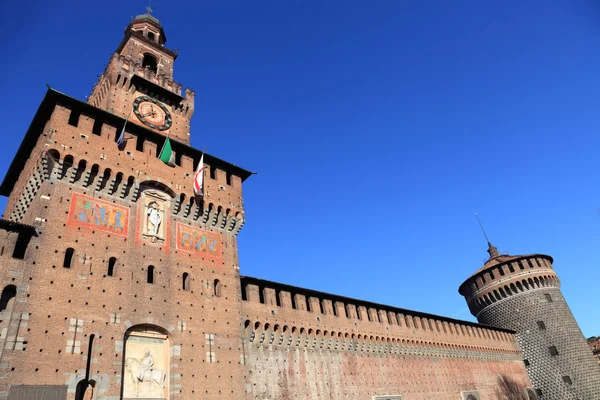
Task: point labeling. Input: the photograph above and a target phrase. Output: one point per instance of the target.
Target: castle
(119, 280)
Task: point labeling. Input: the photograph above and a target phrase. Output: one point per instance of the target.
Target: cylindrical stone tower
(522, 293)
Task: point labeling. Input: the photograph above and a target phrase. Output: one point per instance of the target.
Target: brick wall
(302, 349)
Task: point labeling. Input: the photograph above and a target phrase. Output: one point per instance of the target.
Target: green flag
(166, 154)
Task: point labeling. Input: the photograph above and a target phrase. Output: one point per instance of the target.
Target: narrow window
(520, 264)
(293, 298)
(213, 172)
(333, 303)
(228, 178)
(510, 268)
(541, 325)
(567, 380)
(307, 304)
(553, 351)
(217, 288)
(492, 277)
(347, 308)
(97, 128)
(526, 362)
(244, 293)
(261, 295)
(74, 118)
(21, 245)
(186, 281)
(111, 266)
(548, 298)
(278, 297)
(150, 278)
(68, 257)
(529, 263)
(501, 271)
(321, 306)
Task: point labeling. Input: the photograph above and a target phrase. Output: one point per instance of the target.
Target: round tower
(522, 293)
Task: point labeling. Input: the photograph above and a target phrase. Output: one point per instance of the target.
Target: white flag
(121, 139)
(199, 177)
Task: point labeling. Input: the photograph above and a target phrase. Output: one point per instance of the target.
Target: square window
(541, 325)
(553, 351)
(548, 298)
(526, 362)
(567, 380)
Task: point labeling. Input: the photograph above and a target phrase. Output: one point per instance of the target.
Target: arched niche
(154, 212)
(146, 366)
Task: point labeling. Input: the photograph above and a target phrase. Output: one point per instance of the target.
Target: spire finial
(492, 250)
(149, 5)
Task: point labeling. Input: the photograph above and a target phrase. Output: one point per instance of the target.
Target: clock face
(152, 112)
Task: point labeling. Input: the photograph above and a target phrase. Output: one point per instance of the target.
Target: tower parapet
(522, 293)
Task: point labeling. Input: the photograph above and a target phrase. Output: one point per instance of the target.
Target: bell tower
(138, 84)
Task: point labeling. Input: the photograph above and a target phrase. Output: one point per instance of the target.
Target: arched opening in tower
(149, 62)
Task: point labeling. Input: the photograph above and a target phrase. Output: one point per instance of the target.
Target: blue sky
(377, 128)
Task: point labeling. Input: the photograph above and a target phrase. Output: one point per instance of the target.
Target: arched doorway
(146, 363)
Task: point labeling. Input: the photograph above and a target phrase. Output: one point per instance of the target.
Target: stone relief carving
(145, 368)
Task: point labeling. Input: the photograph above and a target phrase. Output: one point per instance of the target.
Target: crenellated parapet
(79, 148)
(505, 276)
(110, 182)
(283, 315)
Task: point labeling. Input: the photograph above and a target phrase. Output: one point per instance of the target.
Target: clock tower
(138, 84)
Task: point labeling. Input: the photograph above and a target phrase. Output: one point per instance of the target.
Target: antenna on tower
(493, 251)
(481, 226)
(149, 5)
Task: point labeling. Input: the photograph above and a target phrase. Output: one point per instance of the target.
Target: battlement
(505, 276)
(72, 130)
(283, 314)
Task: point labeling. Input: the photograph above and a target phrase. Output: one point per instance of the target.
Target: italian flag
(166, 154)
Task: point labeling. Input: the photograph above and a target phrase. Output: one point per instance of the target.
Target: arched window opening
(67, 163)
(149, 61)
(151, 36)
(112, 262)
(150, 278)
(117, 183)
(93, 175)
(68, 257)
(8, 294)
(105, 179)
(128, 186)
(186, 281)
(217, 288)
(80, 170)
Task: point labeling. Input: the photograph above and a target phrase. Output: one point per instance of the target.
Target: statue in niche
(154, 216)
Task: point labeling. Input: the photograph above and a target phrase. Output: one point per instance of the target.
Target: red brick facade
(105, 248)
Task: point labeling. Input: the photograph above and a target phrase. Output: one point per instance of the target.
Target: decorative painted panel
(194, 240)
(93, 213)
